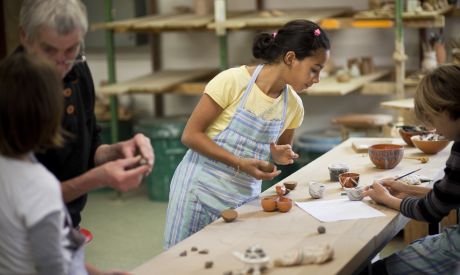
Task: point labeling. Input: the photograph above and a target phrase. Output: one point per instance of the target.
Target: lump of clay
(316, 254)
(316, 190)
(411, 180)
(229, 215)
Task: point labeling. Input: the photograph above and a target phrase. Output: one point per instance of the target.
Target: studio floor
(128, 229)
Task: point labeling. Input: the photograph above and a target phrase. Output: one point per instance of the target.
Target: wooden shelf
(159, 23)
(400, 104)
(330, 87)
(275, 19)
(156, 83)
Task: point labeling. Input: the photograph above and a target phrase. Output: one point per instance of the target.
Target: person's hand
(139, 144)
(377, 192)
(123, 174)
(259, 169)
(282, 154)
(396, 188)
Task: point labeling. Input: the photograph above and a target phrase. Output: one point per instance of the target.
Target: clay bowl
(406, 132)
(269, 204)
(354, 194)
(386, 156)
(349, 179)
(284, 204)
(229, 215)
(290, 185)
(430, 146)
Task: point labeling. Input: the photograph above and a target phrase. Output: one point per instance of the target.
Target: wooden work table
(354, 241)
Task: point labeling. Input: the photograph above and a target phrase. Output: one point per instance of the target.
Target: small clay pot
(229, 215)
(284, 204)
(269, 204)
(280, 190)
(354, 194)
(290, 185)
(349, 180)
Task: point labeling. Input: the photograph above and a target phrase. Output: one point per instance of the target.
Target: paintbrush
(400, 177)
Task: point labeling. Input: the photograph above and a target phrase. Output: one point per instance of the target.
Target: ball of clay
(321, 229)
(268, 204)
(290, 185)
(316, 190)
(229, 215)
(267, 167)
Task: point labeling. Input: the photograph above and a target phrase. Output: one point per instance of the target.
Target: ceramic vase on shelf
(441, 55)
(429, 62)
(203, 7)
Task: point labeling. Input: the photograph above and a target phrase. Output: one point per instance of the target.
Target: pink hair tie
(317, 32)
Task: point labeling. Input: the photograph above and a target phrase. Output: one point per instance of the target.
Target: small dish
(349, 180)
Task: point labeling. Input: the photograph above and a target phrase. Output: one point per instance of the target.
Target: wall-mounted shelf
(275, 18)
(159, 23)
(156, 83)
(329, 86)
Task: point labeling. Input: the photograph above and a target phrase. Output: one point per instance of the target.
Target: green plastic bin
(125, 130)
(165, 136)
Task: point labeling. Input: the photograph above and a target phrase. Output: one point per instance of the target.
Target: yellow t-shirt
(227, 89)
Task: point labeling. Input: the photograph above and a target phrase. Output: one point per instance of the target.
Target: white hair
(63, 16)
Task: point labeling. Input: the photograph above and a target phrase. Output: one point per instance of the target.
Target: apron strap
(250, 84)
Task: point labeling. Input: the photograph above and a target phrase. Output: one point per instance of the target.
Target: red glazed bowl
(408, 132)
(386, 156)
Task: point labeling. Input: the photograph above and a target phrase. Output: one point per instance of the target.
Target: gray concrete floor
(128, 229)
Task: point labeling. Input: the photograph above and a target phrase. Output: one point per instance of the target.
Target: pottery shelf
(329, 86)
(159, 23)
(384, 23)
(235, 20)
(330, 18)
(156, 83)
(276, 18)
(407, 16)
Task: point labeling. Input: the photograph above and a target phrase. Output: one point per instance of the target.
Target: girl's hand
(282, 154)
(259, 169)
(378, 193)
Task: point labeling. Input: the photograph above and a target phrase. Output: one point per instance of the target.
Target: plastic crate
(165, 137)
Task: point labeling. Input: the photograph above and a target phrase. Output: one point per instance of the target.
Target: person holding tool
(437, 103)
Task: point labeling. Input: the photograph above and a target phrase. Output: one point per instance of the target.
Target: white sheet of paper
(339, 210)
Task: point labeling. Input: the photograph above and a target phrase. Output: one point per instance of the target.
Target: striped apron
(202, 187)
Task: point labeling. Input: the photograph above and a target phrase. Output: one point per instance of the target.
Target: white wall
(200, 49)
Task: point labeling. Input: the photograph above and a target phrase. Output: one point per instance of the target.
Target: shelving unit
(192, 82)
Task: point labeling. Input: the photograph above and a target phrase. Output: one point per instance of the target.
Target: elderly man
(54, 30)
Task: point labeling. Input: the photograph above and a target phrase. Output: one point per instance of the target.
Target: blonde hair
(438, 92)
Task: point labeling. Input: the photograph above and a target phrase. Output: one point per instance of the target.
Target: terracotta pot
(349, 179)
(284, 204)
(269, 204)
(386, 156)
